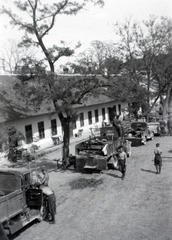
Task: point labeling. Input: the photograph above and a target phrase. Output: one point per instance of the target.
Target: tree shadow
(147, 170)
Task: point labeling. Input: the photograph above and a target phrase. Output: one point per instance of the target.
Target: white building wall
(21, 123)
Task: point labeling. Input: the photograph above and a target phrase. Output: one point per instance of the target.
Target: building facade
(45, 125)
(42, 128)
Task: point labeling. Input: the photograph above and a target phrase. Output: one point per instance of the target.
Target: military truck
(21, 201)
(139, 133)
(95, 153)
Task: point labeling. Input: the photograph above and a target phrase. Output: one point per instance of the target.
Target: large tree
(64, 94)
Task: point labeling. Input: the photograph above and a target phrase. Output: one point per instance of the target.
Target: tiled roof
(8, 102)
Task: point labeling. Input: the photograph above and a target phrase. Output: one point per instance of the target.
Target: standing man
(117, 125)
(162, 126)
(158, 158)
(122, 159)
(45, 179)
(51, 199)
(169, 126)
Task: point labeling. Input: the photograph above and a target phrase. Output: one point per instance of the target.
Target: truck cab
(21, 201)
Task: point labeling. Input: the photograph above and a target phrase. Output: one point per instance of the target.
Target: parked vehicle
(139, 133)
(21, 201)
(95, 154)
(154, 127)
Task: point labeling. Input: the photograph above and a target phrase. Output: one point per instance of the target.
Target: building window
(119, 109)
(53, 127)
(89, 117)
(41, 130)
(96, 115)
(103, 114)
(28, 133)
(81, 119)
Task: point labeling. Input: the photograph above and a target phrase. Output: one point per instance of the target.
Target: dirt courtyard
(104, 207)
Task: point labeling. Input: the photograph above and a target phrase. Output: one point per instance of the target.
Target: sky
(94, 23)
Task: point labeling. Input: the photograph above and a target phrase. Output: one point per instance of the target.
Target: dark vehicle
(139, 133)
(21, 201)
(95, 154)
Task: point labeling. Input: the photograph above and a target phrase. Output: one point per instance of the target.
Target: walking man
(122, 159)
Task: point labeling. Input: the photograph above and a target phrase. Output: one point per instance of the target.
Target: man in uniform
(117, 125)
(51, 200)
(122, 159)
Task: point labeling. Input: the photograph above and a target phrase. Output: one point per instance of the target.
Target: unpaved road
(139, 207)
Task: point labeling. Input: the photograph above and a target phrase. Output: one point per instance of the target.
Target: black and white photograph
(86, 119)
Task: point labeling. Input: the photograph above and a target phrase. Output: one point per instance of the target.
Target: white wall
(21, 123)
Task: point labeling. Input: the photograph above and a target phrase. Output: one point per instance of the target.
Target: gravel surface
(104, 207)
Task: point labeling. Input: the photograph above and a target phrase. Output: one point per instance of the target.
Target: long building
(42, 125)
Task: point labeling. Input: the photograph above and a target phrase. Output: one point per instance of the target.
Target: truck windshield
(136, 125)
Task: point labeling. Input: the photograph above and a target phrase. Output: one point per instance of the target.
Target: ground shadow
(147, 170)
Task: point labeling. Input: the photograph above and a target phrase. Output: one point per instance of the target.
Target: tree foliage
(12, 55)
(9, 139)
(142, 46)
(100, 58)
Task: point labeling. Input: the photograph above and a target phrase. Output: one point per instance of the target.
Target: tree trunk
(65, 122)
(166, 103)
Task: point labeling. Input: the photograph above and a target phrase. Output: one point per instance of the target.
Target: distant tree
(100, 58)
(140, 47)
(12, 55)
(63, 94)
(122, 89)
